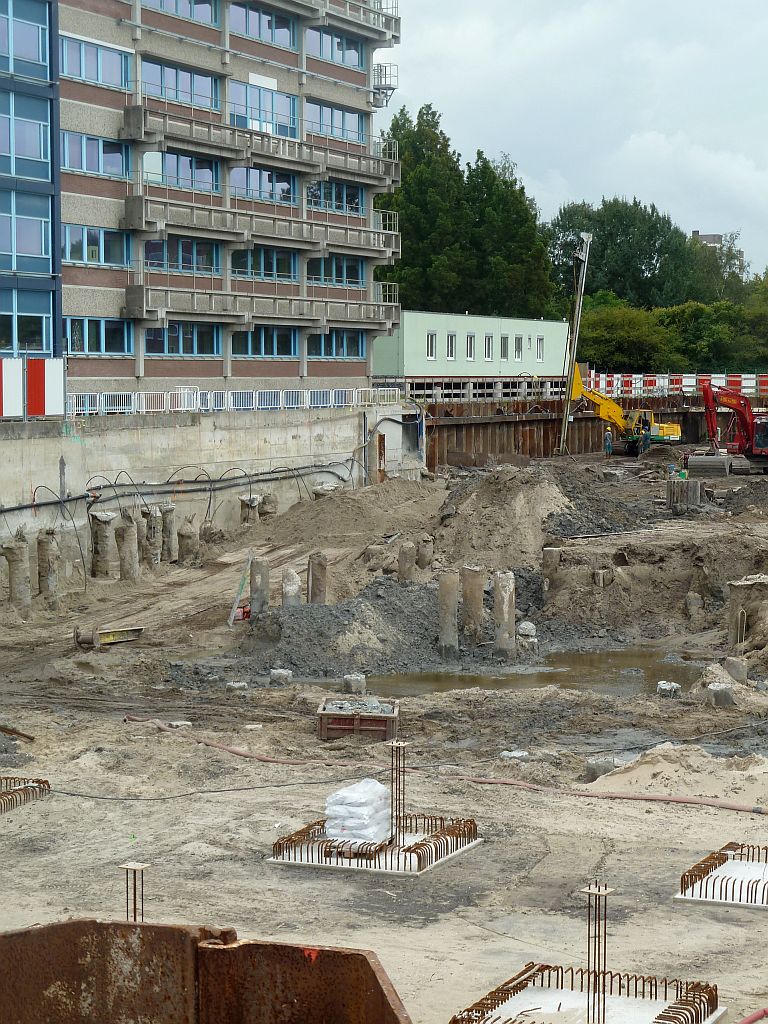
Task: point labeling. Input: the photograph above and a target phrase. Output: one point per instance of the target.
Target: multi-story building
(219, 171)
(30, 268)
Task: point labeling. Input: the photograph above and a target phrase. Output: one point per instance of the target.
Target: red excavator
(746, 445)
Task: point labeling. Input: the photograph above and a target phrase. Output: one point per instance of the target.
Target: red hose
(658, 798)
(757, 1015)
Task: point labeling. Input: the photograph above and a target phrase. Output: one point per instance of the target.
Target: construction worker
(608, 443)
(646, 441)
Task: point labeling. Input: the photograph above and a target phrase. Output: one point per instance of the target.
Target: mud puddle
(624, 672)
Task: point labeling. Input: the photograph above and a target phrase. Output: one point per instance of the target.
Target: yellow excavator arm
(607, 409)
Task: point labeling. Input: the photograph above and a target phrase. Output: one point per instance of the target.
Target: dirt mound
(747, 497)
(590, 510)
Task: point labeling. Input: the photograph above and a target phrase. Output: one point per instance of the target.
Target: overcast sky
(662, 99)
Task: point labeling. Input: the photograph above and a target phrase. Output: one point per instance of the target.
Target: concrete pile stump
(685, 494)
(406, 562)
(504, 615)
(188, 538)
(425, 552)
(448, 616)
(473, 580)
(249, 509)
(139, 518)
(291, 588)
(16, 553)
(101, 530)
(127, 539)
(259, 587)
(170, 548)
(317, 578)
(154, 536)
(48, 561)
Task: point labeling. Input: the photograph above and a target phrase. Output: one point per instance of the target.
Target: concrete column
(504, 615)
(317, 578)
(259, 587)
(291, 588)
(16, 553)
(226, 352)
(170, 548)
(100, 533)
(141, 536)
(406, 562)
(48, 558)
(303, 335)
(126, 537)
(447, 614)
(472, 595)
(154, 545)
(138, 340)
(188, 541)
(425, 551)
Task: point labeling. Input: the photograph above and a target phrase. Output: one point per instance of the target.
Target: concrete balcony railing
(230, 136)
(378, 16)
(160, 210)
(156, 296)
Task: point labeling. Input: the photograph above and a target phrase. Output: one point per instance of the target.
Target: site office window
(539, 350)
(450, 347)
(470, 347)
(488, 349)
(25, 322)
(504, 348)
(431, 345)
(518, 348)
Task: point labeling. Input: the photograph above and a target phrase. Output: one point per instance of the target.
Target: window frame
(470, 347)
(261, 12)
(431, 346)
(329, 347)
(267, 120)
(177, 328)
(102, 321)
(518, 355)
(262, 252)
(261, 194)
(15, 316)
(504, 348)
(175, 265)
(33, 70)
(335, 38)
(161, 7)
(16, 166)
(450, 346)
(172, 94)
(66, 233)
(64, 40)
(263, 330)
(13, 259)
(333, 281)
(325, 124)
(329, 203)
(488, 348)
(84, 140)
(540, 348)
(168, 180)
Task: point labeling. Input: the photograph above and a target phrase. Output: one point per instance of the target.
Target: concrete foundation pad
(539, 1004)
(361, 866)
(737, 883)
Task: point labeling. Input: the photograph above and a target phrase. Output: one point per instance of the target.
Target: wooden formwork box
(335, 725)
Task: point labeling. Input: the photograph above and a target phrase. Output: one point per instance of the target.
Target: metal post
(132, 872)
(597, 948)
(580, 259)
(397, 789)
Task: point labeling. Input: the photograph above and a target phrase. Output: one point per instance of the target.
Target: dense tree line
(473, 241)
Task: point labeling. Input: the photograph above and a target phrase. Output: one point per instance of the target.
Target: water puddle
(620, 673)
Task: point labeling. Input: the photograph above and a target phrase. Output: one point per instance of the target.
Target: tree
(628, 340)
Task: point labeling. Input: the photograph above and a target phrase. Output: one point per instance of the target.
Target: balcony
(379, 19)
(386, 80)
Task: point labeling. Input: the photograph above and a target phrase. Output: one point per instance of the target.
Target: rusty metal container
(337, 725)
(97, 972)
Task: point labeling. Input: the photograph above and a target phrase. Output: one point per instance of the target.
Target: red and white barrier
(31, 387)
(636, 385)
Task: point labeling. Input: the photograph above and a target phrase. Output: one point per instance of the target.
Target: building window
(265, 264)
(470, 347)
(337, 344)
(505, 348)
(539, 350)
(263, 183)
(431, 345)
(328, 45)
(24, 136)
(262, 110)
(94, 156)
(25, 232)
(183, 339)
(180, 85)
(96, 337)
(182, 256)
(347, 271)
(99, 65)
(182, 170)
(337, 196)
(24, 38)
(268, 341)
(25, 322)
(450, 347)
(101, 246)
(204, 11)
(518, 347)
(261, 23)
(488, 351)
(335, 121)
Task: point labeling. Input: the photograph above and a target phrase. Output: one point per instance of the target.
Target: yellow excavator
(630, 424)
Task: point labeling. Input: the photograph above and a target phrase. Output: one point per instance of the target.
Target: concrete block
(280, 676)
(602, 578)
(514, 755)
(526, 629)
(354, 683)
(720, 695)
(737, 669)
(237, 686)
(179, 725)
(667, 689)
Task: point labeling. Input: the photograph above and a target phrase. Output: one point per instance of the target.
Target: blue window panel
(182, 170)
(206, 12)
(98, 246)
(337, 122)
(183, 339)
(26, 324)
(337, 196)
(95, 336)
(88, 62)
(182, 256)
(337, 344)
(24, 38)
(257, 22)
(25, 232)
(180, 85)
(337, 270)
(24, 136)
(267, 342)
(266, 264)
(263, 183)
(91, 155)
(325, 44)
(263, 110)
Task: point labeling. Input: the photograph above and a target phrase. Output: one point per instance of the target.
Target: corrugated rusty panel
(269, 983)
